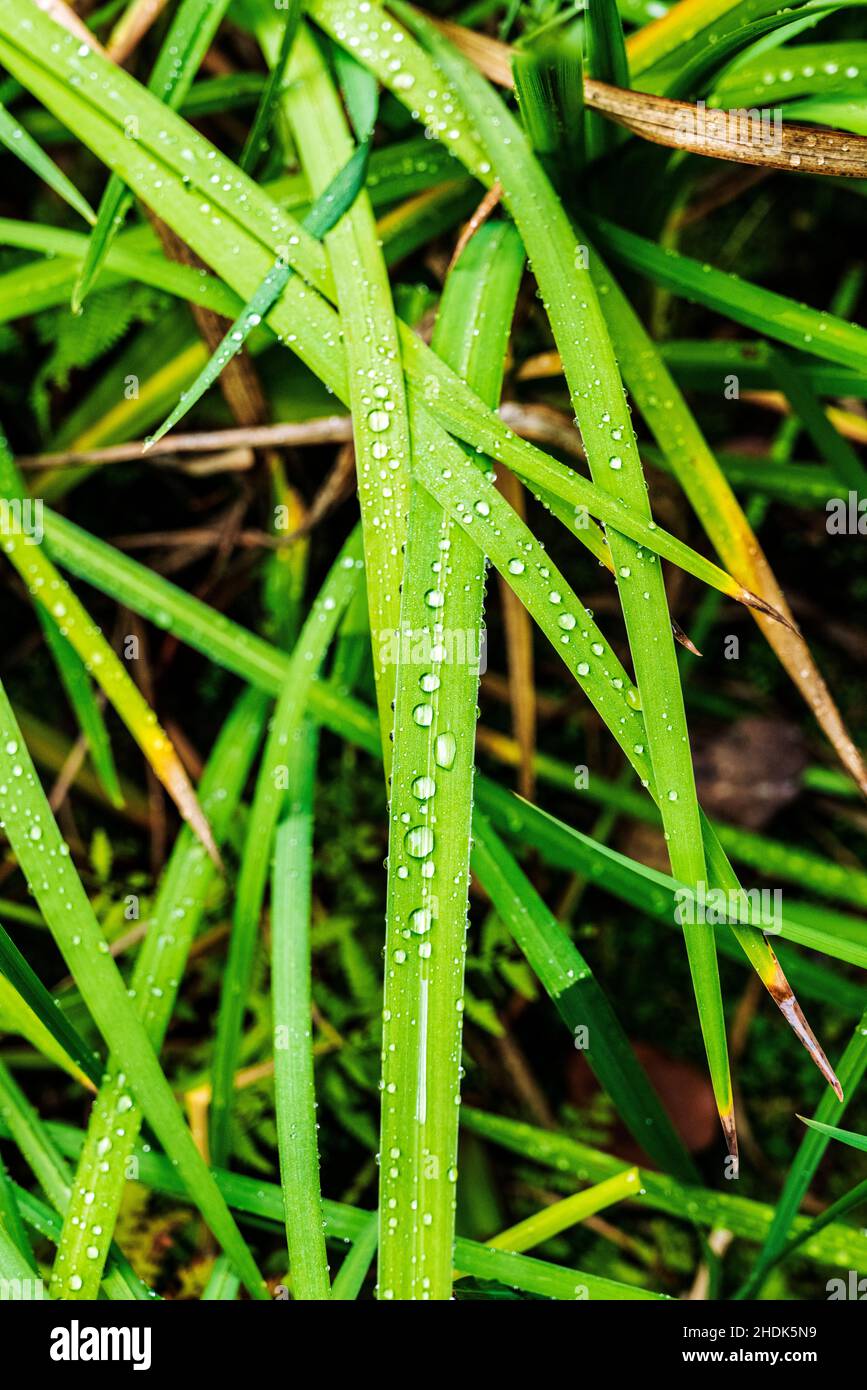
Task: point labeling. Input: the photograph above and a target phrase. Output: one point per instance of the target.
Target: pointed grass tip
(794, 1015)
(727, 1120)
(762, 606)
(681, 637)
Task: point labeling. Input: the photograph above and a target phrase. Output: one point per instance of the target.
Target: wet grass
(506, 328)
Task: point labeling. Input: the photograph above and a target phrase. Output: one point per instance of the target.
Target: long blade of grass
(24, 147)
(377, 392)
(85, 705)
(431, 811)
(294, 1089)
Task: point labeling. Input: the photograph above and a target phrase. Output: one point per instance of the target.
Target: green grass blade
(294, 1088)
(603, 418)
(431, 812)
(85, 705)
(773, 315)
(24, 979)
(376, 391)
(24, 147)
(326, 212)
(61, 606)
(257, 138)
(579, 1000)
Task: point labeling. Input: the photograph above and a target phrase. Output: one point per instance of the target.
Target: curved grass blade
(87, 1229)
(62, 607)
(37, 843)
(24, 147)
(294, 1088)
(354, 1270)
(271, 785)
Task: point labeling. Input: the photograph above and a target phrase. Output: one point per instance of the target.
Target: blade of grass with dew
(802, 1170)
(305, 321)
(431, 814)
(248, 656)
(579, 1000)
(377, 393)
(24, 147)
(294, 1086)
(37, 844)
(301, 677)
(242, 652)
(23, 979)
(51, 591)
(609, 440)
(185, 45)
(85, 706)
(115, 1119)
(664, 409)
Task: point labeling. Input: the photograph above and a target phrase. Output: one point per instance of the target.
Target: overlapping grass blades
(271, 786)
(44, 859)
(102, 1168)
